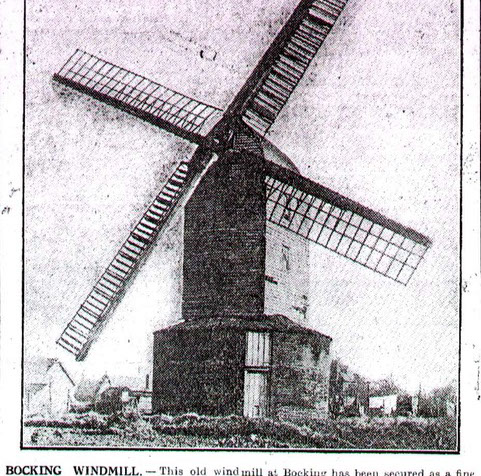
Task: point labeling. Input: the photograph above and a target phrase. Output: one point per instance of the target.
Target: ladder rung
(81, 322)
(253, 117)
(307, 52)
(120, 270)
(121, 266)
(282, 91)
(73, 337)
(175, 182)
(73, 328)
(92, 307)
(291, 73)
(322, 15)
(61, 341)
(298, 63)
(282, 75)
(157, 214)
(172, 188)
(167, 194)
(127, 253)
(104, 278)
(270, 99)
(311, 28)
(92, 323)
(141, 236)
(133, 243)
(91, 296)
(109, 290)
(164, 201)
(124, 260)
(150, 231)
(305, 39)
(114, 275)
(291, 64)
(319, 29)
(150, 219)
(159, 209)
(261, 109)
(334, 7)
(308, 33)
(302, 38)
(179, 175)
(180, 171)
(297, 55)
(146, 223)
(101, 294)
(266, 108)
(335, 4)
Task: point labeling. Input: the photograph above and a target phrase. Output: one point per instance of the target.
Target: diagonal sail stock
(82, 330)
(280, 70)
(137, 95)
(342, 225)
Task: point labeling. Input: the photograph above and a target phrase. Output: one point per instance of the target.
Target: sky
(375, 118)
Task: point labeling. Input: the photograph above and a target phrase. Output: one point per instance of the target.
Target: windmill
(246, 207)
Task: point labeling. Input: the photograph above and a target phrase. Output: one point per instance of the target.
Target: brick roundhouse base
(199, 366)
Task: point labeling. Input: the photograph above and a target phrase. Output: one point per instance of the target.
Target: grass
(192, 430)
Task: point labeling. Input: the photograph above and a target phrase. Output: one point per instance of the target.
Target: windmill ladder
(110, 287)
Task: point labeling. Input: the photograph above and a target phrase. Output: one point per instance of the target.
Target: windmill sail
(342, 225)
(293, 202)
(112, 284)
(133, 93)
(283, 65)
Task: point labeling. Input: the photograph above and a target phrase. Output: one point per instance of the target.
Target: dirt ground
(237, 432)
(49, 437)
(55, 437)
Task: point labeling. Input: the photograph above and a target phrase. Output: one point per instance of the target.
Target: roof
(273, 154)
(35, 370)
(276, 322)
(35, 387)
(136, 383)
(376, 398)
(142, 393)
(88, 389)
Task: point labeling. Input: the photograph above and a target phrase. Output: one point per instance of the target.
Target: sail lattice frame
(84, 327)
(345, 227)
(283, 65)
(138, 95)
(293, 202)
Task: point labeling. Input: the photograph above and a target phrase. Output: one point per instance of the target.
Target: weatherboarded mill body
(244, 345)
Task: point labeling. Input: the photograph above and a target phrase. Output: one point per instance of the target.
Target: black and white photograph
(242, 226)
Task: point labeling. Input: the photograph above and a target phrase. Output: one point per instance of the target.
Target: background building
(48, 388)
